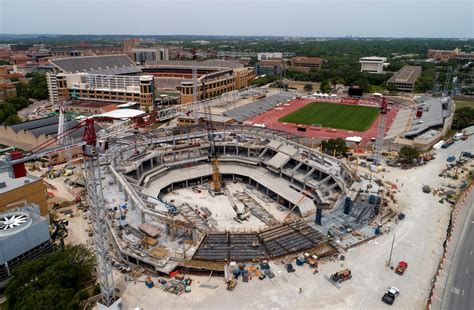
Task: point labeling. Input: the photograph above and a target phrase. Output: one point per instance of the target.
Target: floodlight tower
(380, 131)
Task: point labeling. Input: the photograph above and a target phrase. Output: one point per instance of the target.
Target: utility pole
(391, 251)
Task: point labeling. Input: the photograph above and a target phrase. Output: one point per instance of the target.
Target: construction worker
(300, 290)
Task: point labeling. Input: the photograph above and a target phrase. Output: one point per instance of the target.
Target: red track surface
(270, 119)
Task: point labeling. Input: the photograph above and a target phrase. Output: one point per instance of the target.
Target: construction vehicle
(402, 266)
(467, 154)
(426, 189)
(390, 295)
(216, 175)
(341, 276)
(289, 268)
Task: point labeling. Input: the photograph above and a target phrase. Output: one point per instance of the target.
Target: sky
(313, 18)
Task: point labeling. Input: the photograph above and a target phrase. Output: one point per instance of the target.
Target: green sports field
(342, 116)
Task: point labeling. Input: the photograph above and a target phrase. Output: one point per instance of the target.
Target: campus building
(120, 88)
(373, 64)
(213, 77)
(305, 64)
(405, 78)
(270, 67)
(142, 56)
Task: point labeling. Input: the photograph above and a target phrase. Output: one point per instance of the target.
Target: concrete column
(151, 163)
(138, 172)
(250, 181)
(161, 159)
(142, 217)
(237, 150)
(233, 177)
(257, 185)
(224, 149)
(121, 154)
(194, 236)
(248, 152)
(186, 183)
(266, 191)
(125, 195)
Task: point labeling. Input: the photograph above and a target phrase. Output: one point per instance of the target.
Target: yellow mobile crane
(216, 175)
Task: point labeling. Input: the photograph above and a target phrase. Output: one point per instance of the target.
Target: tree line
(36, 88)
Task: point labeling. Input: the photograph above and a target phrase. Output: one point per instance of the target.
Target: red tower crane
(16, 164)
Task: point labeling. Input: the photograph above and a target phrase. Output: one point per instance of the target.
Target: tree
(51, 281)
(325, 87)
(38, 87)
(338, 145)
(463, 117)
(18, 102)
(308, 87)
(12, 119)
(407, 154)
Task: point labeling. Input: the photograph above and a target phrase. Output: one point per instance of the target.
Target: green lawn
(342, 116)
(462, 104)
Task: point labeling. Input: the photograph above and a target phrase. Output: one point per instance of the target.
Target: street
(459, 292)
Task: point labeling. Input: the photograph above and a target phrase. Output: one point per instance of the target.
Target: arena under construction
(274, 198)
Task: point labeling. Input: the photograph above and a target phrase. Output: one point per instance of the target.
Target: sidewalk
(439, 282)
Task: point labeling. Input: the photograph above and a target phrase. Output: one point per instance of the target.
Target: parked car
(390, 295)
(402, 266)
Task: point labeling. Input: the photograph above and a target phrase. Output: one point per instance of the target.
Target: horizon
(261, 18)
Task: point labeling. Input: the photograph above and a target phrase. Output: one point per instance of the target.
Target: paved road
(459, 292)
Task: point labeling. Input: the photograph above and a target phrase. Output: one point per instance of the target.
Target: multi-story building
(443, 55)
(405, 78)
(129, 44)
(7, 90)
(120, 88)
(373, 64)
(270, 67)
(14, 192)
(213, 77)
(146, 55)
(269, 55)
(208, 86)
(305, 64)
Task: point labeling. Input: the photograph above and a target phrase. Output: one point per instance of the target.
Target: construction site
(180, 196)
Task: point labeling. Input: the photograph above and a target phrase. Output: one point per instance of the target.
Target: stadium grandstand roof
(106, 64)
(121, 113)
(250, 110)
(214, 63)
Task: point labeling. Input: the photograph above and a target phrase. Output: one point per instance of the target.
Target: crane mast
(95, 198)
(380, 131)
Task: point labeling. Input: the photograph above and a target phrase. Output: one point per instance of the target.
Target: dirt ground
(418, 240)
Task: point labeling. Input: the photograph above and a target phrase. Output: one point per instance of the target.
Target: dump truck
(390, 295)
(341, 276)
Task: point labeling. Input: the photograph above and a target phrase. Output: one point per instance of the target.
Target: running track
(270, 119)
